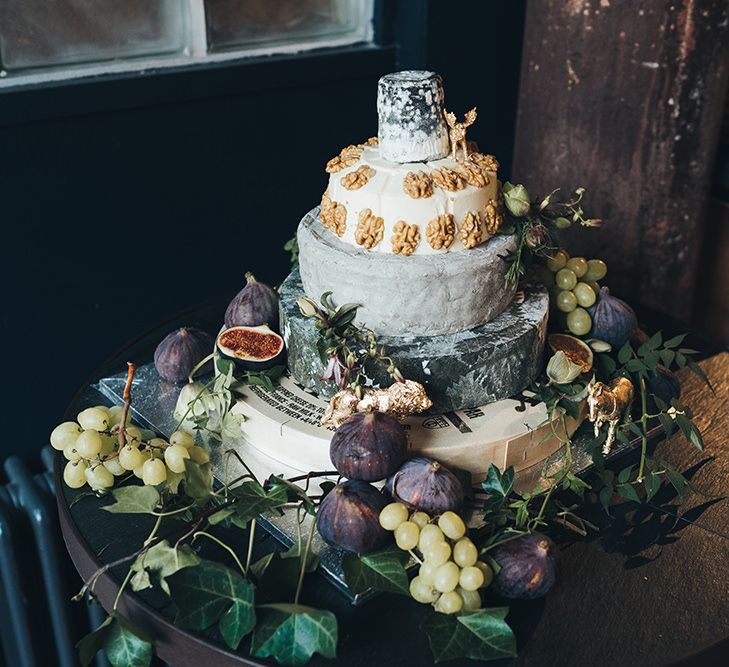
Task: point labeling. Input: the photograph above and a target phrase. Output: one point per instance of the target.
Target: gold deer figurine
(457, 133)
(607, 404)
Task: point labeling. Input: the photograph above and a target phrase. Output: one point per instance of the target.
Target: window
(58, 39)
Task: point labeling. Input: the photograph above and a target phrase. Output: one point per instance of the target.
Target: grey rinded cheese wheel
(419, 295)
(459, 370)
(412, 127)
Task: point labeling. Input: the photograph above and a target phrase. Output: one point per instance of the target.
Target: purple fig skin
(349, 517)
(613, 320)
(426, 485)
(528, 567)
(255, 304)
(369, 446)
(181, 351)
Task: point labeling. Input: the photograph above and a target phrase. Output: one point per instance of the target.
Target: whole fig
(528, 567)
(426, 485)
(369, 446)
(181, 351)
(664, 384)
(613, 320)
(255, 304)
(348, 517)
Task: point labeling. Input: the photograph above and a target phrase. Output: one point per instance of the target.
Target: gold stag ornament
(457, 133)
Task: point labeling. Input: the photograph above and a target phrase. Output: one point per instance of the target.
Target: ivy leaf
(133, 500)
(251, 499)
(89, 645)
(211, 593)
(498, 483)
(198, 480)
(124, 645)
(478, 635)
(382, 570)
(294, 493)
(277, 573)
(164, 561)
(291, 634)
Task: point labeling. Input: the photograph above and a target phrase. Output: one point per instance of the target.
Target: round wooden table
(650, 588)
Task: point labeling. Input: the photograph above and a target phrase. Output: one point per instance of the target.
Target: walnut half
(370, 229)
(493, 217)
(418, 185)
(473, 174)
(470, 231)
(354, 180)
(485, 161)
(440, 231)
(346, 158)
(333, 216)
(405, 238)
(448, 179)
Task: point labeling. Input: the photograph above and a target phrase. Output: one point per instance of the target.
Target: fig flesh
(348, 517)
(180, 351)
(251, 348)
(426, 485)
(255, 304)
(528, 567)
(369, 446)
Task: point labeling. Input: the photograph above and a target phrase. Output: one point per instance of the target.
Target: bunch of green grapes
(573, 284)
(450, 575)
(91, 446)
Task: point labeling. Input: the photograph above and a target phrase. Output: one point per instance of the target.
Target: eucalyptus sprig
(347, 349)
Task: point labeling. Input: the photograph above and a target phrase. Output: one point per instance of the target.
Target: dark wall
(116, 220)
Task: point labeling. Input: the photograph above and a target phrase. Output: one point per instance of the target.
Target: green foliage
(251, 499)
(198, 482)
(292, 634)
(292, 246)
(124, 645)
(478, 635)
(210, 594)
(382, 570)
(133, 500)
(163, 561)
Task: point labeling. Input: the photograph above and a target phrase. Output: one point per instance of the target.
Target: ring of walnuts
(354, 180)
(470, 230)
(493, 217)
(441, 231)
(448, 179)
(405, 238)
(370, 229)
(333, 216)
(348, 156)
(418, 185)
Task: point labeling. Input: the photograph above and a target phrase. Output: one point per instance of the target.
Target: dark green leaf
(125, 647)
(635, 366)
(251, 499)
(690, 432)
(93, 642)
(291, 634)
(478, 635)
(674, 342)
(498, 483)
(628, 492)
(697, 370)
(382, 570)
(606, 365)
(294, 493)
(677, 480)
(625, 353)
(635, 429)
(206, 594)
(624, 474)
(163, 560)
(652, 484)
(680, 360)
(667, 423)
(133, 500)
(198, 480)
(604, 496)
(667, 357)
(224, 366)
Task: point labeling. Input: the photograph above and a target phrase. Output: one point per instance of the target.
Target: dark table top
(650, 588)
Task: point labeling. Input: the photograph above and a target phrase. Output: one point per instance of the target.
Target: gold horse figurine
(607, 404)
(457, 133)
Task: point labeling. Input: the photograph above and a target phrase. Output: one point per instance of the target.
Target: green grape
(429, 536)
(452, 525)
(488, 573)
(596, 270)
(131, 458)
(471, 599)
(578, 265)
(406, 535)
(393, 515)
(115, 415)
(437, 553)
(114, 467)
(449, 603)
(89, 444)
(99, 477)
(93, 418)
(73, 474)
(446, 577)
(427, 572)
(175, 456)
(108, 444)
(471, 578)
(199, 454)
(420, 518)
(579, 322)
(71, 453)
(558, 260)
(154, 472)
(133, 435)
(584, 294)
(422, 592)
(595, 286)
(566, 301)
(158, 443)
(465, 552)
(64, 434)
(565, 279)
(182, 438)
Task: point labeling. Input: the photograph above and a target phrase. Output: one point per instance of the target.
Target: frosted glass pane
(37, 33)
(253, 23)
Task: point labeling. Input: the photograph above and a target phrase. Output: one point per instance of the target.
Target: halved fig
(252, 348)
(577, 351)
